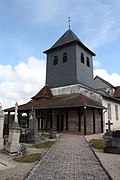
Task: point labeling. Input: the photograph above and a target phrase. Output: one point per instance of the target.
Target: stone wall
(77, 88)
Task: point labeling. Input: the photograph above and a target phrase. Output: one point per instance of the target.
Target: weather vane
(69, 21)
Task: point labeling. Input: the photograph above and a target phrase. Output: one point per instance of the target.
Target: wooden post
(94, 122)
(62, 122)
(42, 121)
(79, 120)
(57, 122)
(85, 120)
(60, 118)
(53, 118)
(51, 122)
(66, 114)
(101, 121)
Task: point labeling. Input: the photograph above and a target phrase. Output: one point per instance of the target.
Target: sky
(29, 27)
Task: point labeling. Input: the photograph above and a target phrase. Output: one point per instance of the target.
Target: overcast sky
(28, 27)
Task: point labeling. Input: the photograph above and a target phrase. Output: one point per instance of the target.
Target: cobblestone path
(70, 158)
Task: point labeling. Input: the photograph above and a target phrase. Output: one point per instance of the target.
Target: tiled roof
(63, 101)
(45, 92)
(117, 92)
(66, 38)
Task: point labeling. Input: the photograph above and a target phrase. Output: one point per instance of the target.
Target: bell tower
(69, 62)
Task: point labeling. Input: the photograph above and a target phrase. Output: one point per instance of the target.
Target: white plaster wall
(77, 88)
(116, 123)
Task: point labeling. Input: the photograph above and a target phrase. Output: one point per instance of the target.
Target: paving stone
(70, 158)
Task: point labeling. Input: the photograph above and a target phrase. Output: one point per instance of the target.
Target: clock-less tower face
(69, 62)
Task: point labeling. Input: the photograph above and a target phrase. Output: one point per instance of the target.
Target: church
(72, 100)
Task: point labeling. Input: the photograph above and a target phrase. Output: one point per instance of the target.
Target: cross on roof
(69, 21)
(109, 125)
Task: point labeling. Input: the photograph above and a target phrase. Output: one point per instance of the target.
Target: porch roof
(62, 101)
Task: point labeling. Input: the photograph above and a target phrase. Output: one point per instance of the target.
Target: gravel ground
(14, 170)
(111, 162)
(18, 171)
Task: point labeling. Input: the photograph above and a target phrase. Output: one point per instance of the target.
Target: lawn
(98, 143)
(46, 144)
(28, 158)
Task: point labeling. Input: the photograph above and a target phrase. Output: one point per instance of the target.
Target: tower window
(88, 61)
(64, 57)
(82, 58)
(55, 61)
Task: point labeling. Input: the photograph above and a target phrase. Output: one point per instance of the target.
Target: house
(110, 97)
(72, 100)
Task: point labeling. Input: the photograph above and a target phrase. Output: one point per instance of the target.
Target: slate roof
(66, 38)
(41, 101)
(102, 81)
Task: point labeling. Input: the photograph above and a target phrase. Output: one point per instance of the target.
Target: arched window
(88, 62)
(55, 61)
(64, 57)
(82, 58)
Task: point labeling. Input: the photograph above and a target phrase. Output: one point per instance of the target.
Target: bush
(97, 143)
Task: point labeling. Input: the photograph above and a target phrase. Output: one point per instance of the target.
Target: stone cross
(16, 114)
(1, 126)
(1, 111)
(109, 125)
(13, 145)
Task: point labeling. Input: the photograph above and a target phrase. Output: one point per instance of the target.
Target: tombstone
(109, 126)
(13, 145)
(108, 133)
(113, 144)
(1, 127)
(32, 131)
(52, 135)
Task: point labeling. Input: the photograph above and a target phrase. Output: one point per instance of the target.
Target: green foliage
(97, 143)
(46, 144)
(28, 158)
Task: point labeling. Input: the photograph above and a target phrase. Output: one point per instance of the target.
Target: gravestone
(52, 135)
(108, 133)
(1, 127)
(32, 131)
(13, 145)
(113, 144)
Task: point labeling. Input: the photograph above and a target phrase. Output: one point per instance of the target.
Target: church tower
(69, 62)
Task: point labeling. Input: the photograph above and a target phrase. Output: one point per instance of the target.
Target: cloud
(113, 78)
(21, 82)
(96, 64)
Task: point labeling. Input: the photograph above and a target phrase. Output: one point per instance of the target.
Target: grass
(46, 144)
(98, 143)
(28, 158)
